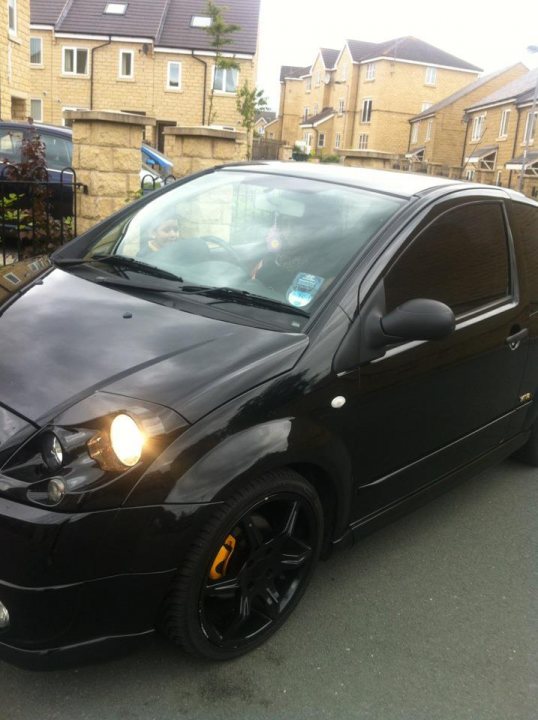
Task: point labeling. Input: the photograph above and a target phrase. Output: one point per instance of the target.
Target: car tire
(247, 569)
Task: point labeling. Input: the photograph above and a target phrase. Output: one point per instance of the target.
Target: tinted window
(525, 218)
(461, 259)
(58, 151)
(10, 145)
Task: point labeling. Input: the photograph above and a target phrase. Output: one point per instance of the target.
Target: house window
(308, 84)
(341, 106)
(173, 80)
(306, 113)
(370, 71)
(201, 21)
(503, 129)
(469, 175)
(225, 80)
(126, 69)
(337, 140)
(316, 109)
(363, 141)
(429, 130)
(115, 8)
(478, 127)
(425, 106)
(36, 51)
(366, 115)
(318, 79)
(12, 16)
(36, 109)
(75, 61)
(344, 73)
(530, 127)
(414, 132)
(321, 140)
(69, 123)
(431, 76)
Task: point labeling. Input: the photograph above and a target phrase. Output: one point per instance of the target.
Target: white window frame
(341, 106)
(430, 76)
(121, 76)
(316, 109)
(33, 38)
(337, 140)
(173, 88)
(75, 51)
(308, 84)
(414, 132)
(12, 17)
(370, 72)
(429, 126)
(470, 174)
(528, 138)
(35, 116)
(488, 164)
(425, 106)
(321, 140)
(478, 127)
(201, 21)
(366, 112)
(115, 8)
(503, 127)
(225, 72)
(363, 141)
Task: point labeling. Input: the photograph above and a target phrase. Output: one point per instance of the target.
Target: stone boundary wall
(196, 148)
(106, 158)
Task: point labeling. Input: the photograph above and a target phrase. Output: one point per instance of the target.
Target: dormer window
(115, 8)
(201, 21)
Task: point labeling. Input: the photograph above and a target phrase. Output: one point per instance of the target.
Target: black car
(231, 378)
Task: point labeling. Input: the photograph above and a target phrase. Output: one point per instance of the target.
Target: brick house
(497, 129)
(263, 119)
(358, 101)
(14, 52)
(153, 59)
(437, 134)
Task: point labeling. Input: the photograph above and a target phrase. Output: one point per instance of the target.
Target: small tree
(220, 33)
(249, 104)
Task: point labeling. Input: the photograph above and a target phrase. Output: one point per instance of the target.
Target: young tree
(249, 104)
(221, 34)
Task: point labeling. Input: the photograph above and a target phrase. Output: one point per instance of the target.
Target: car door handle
(514, 341)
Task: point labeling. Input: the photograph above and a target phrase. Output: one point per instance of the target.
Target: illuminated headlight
(53, 455)
(121, 447)
(126, 439)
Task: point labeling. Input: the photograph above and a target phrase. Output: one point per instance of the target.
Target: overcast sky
(488, 34)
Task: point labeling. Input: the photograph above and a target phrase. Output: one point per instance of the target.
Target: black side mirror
(419, 319)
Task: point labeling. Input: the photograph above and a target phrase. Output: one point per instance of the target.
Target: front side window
(57, 151)
(75, 61)
(126, 66)
(12, 16)
(281, 239)
(226, 80)
(460, 259)
(11, 145)
(173, 81)
(525, 223)
(36, 51)
(366, 115)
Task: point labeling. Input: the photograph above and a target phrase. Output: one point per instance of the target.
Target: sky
(490, 34)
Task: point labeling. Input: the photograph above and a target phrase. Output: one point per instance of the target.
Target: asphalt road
(432, 617)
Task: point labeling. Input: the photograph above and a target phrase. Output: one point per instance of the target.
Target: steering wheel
(230, 252)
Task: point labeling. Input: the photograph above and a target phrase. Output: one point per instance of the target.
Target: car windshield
(266, 237)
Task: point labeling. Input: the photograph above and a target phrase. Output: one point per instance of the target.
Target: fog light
(52, 451)
(55, 490)
(4, 616)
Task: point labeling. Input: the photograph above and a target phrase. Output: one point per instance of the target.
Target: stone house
(358, 101)
(14, 53)
(437, 134)
(148, 58)
(263, 119)
(498, 128)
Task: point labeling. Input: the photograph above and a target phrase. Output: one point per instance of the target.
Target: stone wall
(192, 149)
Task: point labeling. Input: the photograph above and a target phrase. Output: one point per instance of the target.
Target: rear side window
(57, 151)
(10, 145)
(461, 259)
(525, 222)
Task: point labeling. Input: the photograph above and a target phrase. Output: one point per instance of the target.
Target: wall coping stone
(110, 116)
(203, 131)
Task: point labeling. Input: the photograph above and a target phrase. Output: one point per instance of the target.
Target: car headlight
(120, 447)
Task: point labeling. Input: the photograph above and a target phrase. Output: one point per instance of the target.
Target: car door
(422, 409)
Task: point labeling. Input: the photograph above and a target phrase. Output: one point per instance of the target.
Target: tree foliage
(249, 104)
(221, 34)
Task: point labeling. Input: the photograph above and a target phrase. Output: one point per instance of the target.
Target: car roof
(393, 182)
(59, 130)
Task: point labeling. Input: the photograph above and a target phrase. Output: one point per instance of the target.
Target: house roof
(407, 48)
(482, 152)
(267, 115)
(166, 22)
(531, 159)
(329, 57)
(325, 114)
(292, 71)
(519, 91)
(461, 93)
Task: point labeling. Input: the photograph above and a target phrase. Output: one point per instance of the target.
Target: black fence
(36, 215)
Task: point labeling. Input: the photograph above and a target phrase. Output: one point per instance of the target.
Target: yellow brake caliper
(220, 563)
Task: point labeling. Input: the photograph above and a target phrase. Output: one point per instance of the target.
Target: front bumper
(74, 581)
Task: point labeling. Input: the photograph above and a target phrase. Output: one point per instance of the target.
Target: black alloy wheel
(248, 568)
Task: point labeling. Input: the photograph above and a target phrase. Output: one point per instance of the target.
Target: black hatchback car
(224, 381)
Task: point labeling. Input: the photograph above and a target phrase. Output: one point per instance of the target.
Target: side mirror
(419, 319)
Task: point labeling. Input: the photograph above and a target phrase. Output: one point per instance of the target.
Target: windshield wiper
(120, 261)
(244, 297)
